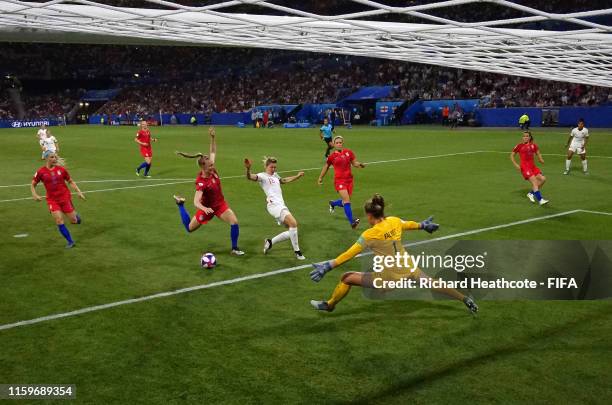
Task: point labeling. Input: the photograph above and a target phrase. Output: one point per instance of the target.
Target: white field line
(267, 274)
(596, 212)
(241, 176)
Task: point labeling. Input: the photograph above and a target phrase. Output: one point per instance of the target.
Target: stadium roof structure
(582, 55)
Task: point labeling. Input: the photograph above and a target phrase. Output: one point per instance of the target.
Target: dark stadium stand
(51, 78)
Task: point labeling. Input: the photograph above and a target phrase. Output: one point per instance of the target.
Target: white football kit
(41, 134)
(274, 195)
(48, 144)
(578, 139)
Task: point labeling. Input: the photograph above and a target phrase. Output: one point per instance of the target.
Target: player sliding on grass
(384, 238)
(270, 182)
(576, 143)
(209, 198)
(527, 149)
(54, 177)
(144, 139)
(342, 159)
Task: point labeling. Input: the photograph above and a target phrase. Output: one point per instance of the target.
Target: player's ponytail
(189, 156)
(201, 157)
(375, 206)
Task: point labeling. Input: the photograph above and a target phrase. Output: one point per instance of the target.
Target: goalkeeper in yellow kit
(384, 238)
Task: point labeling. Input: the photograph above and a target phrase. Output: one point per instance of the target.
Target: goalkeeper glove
(429, 226)
(319, 270)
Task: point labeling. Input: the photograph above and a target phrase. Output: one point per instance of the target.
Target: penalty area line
(266, 274)
(596, 212)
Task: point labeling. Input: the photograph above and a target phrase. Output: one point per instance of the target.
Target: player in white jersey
(576, 143)
(42, 133)
(270, 182)
(48, 143)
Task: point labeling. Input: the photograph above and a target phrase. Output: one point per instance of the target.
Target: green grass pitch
(258, 340)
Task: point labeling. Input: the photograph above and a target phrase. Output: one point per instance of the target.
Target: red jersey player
(144, 139)
(209, 198)
(54, 178)
(342, 159)
(527, 150)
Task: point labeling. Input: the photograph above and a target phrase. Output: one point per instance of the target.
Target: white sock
(280, 237)
(293, 234)
(568, 163)
(584, 165)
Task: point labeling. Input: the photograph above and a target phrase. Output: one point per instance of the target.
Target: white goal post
(582, 55)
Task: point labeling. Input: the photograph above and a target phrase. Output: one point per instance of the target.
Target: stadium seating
(206, 80)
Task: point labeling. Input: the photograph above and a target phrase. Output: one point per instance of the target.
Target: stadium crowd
(204, 80)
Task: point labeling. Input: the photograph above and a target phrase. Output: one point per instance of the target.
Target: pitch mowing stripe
(315, 168)
(267, 274)
(151, 297)
(242, 175)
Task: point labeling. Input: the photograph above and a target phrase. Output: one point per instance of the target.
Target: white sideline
(268, 274)
(242, 175)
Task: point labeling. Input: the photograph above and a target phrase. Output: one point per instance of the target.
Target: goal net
(495, 36)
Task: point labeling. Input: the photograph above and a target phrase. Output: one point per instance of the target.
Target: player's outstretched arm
(247, 165)
(320, 269)
(410, 226)
(289, 179)
(358, 164)
(323, 173)
(213, 144)
(540, 158)
(76, 188)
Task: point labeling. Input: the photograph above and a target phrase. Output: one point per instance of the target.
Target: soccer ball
(208, 261)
